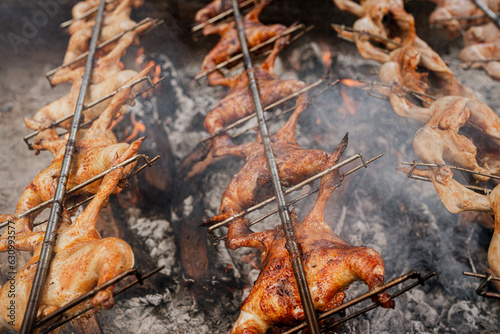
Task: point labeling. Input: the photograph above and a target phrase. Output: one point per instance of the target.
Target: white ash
(158, 236)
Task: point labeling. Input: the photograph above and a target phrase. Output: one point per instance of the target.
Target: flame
(117, 120)
(352, 83)
(349, 102)
(138, 128)
(157, 73)
(140, 57)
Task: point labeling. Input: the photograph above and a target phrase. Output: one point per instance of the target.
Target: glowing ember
(326, 55)
(352, 83)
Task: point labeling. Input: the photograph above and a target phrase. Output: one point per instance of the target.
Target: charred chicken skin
(457, 198)
(239, 103)
(450, 14)
(214, 8)
(81, 261)
(330, 266)
(439, 141)
(252, 184)
(97, 149)
(229, 44)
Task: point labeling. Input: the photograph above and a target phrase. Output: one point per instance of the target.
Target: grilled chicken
(97, 148)
(330, 266)
(239, 103)
(229, 44)
(252, 184)
(422, 72)
(457, 198)
(486, 33)
(450, 14)
(113, 24)
(81, 261)
(439, 141)
(387, 19)
(66, 105)
(104, 68)
(214, 8)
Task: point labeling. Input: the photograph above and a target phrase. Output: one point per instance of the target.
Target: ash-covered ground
(379, 207)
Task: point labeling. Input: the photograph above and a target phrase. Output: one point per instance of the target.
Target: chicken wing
(330, 266)
(484, 51)
(81, 261)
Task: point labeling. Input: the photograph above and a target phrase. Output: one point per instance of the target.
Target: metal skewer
(339, 28)
(220, 16)
(291, 241)
(93, 104)
(255, 48)
(56, 211)
(375, 291)
(156, 23)
(491, 14)
(83, 16)
(139, 279)
(83, 185)
(216, 240)
(291, 189)
(481, 289)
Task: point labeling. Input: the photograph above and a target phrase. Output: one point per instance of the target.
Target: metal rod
(493, 278)
(408, 90)
(340, 27)
(84, 184)
(140, 279)
(269, 107)
(84, 15)
(291, 189)
(464, 17)
(56, 211)
(364, 164)
(220, 16)
(373, 306)
(103, 44)
(415, 163)
(375, 291)
(491, 14)
(291, 241)
(90, 105)
(255, 48)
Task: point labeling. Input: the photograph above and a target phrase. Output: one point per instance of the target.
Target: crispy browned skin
(448, 12)
(330, 265)
(239, 103)
(81, 261)
(97, 150)
(253, 182)
(213, 9)
(229, 44)
(439, 141)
